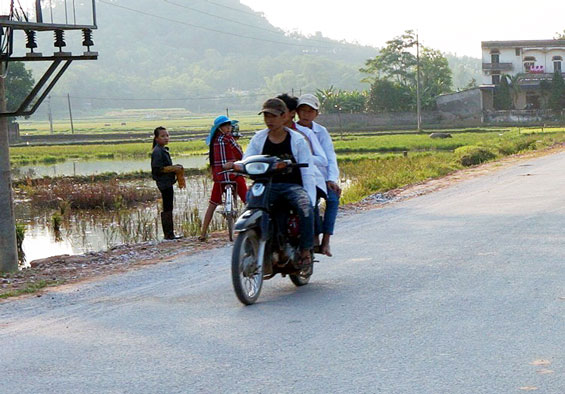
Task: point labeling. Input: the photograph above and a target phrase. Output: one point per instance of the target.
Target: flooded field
(50, 231)
(94, 167)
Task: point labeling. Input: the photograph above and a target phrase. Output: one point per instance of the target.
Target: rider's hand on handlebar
(228, 165)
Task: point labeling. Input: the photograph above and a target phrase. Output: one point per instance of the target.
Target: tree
(389, 96)
(560, 36)
(19, 83)
(557, 95)
(332, 100)
(394, 61)
(502, 96)
(514, 86)
(398, 64)
(472, 84)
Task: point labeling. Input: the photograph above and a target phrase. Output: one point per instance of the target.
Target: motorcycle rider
(296, 188)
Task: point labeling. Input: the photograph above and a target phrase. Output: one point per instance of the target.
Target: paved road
(459, 291)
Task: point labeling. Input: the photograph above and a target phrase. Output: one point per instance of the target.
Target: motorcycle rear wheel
(247, 272)
(303, 277)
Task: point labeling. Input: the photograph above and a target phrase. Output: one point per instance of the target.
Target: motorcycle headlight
(257, 168)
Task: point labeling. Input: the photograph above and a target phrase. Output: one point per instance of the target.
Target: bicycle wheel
(228, 210)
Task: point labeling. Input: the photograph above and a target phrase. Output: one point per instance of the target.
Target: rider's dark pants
(297, 198)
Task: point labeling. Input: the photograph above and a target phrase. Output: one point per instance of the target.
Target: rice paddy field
(136, 122)
(369, 163)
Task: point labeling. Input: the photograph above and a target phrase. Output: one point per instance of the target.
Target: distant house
(533, 61)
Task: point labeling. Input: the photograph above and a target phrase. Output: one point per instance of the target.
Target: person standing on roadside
(224, 150)
(307, 110)
(165, 175)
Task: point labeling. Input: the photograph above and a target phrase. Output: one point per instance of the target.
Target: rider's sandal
(304, 262)
(202, 238)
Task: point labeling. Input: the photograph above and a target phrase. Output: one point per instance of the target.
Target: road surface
(459, 291)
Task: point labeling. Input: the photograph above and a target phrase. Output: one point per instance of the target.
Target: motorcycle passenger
(308, 107)
(296, 188)
(318, 156)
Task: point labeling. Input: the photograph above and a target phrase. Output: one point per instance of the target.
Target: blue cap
(220, 120)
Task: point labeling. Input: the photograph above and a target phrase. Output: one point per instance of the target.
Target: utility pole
(70, 113)
(50, 115)
(8, 245)
(418, 106)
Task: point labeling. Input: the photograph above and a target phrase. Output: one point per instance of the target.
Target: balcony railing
(497, 66)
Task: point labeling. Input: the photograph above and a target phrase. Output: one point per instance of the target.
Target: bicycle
(230, 210)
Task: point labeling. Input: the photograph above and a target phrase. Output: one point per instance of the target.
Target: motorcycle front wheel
(247, 272)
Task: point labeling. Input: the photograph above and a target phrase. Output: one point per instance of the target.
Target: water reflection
(84, 231)
(73, 168)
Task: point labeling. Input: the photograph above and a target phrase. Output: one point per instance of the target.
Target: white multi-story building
(530, 62)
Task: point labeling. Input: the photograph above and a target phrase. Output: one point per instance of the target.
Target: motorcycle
(267, 243)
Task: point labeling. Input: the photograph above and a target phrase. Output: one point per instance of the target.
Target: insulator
(31, 40)
(87, 38)
(59, 39)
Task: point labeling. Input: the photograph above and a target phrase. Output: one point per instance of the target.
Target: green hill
(200, 55)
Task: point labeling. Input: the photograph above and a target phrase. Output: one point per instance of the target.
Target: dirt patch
(66, 269)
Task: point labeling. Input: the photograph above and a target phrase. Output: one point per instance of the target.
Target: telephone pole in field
(15, 18)
(8, 246)
(418, 105)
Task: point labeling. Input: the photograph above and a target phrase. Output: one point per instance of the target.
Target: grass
(103, 195)
(369, 175)
(30, 288)
(26, 155)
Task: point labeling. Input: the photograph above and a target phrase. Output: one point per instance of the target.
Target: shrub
(20, 235)
(106, 195)
(473, 155)
(509, 147)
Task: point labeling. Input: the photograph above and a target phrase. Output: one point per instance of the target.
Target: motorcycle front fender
(257, 219)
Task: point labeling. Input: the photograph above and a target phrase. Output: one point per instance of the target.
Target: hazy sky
(448, 25)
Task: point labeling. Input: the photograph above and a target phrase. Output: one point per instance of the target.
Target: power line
(164, 99)
(205, 28)
(236, 21)
(221, 17)
(232, 8)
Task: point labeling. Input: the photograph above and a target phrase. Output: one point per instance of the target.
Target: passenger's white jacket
(300, 151)
(318, 156)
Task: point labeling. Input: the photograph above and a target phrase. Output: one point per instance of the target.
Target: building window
(495, 56)
(518, 52)
(557, 63)
(529, 62)
(495, 79)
